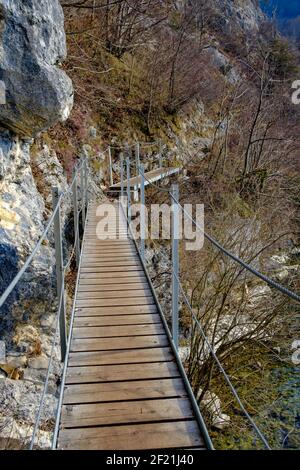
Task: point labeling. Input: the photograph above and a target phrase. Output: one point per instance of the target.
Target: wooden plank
(108, 258)
(110, 264)
(115, 253)
(124, 302)
(175, 435)
(122, 372)
(112, 238)
(121, 242)
(141, 286)
(112, 269)
(126, 343)
(110, 311)
(135, 356)
(142, 411)
(117, 331)
(152, 176)
(124, 391)
(119, 252)
(121, 368)
(98, 294)
(97, 245)
(116, 276)
(116, 224)
(112, 320)
(99, 281)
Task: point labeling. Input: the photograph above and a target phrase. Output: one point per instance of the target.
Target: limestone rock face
(32, 45)
(243, 14)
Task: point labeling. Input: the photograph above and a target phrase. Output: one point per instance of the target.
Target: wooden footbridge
(124, 387)
(150, 177)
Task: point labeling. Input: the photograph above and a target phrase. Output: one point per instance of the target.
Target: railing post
(111, 178)
(175, 263)
(76, 218)
(60, 274)
(128, 189)
(82, 190)
(122, 175)
(86, 192)
(142, 212)
(160, 155)
(137, 164)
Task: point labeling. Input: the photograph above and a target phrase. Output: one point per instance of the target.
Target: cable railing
(177, 287)
(54, 225)
(62, 266)
(126, 152)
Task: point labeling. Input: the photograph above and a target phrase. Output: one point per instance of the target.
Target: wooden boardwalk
(150, 177)
(123, 388)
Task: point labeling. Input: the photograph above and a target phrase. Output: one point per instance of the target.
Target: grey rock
(243, 15)
(21, 399)
(17, 361)
(223, 64)
(38, 93)
(38, 362)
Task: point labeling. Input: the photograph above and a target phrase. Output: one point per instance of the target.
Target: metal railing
(128, 152)
(177, 287)
(81, 175)
(80, 178)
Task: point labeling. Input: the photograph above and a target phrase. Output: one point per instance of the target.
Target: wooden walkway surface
(151, 176)
(123, 388)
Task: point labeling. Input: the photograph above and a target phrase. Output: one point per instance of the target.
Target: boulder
(32, 45)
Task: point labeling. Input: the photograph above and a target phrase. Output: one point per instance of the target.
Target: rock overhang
(38, 94)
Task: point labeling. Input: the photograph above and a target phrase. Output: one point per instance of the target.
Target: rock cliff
(32, 45)
(35, 94)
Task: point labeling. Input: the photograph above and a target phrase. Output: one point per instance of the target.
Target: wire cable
(248, 267)
(29, 260)
(40, 409)
(235, 258)
(212, 352)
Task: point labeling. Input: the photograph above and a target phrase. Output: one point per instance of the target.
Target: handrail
(29, 260)
(81, 166)
(196, 320)
(39, 413)
(190, 392)
(212, 352)
(235, 258)
(198, 324)
(59, 404)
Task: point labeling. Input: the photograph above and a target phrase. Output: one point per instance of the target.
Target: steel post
(128, 189)
(142, 212)
(111, 178)
(76, 218)
(60, 274)
(122, 175)
(175, 264)
(82, 192)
